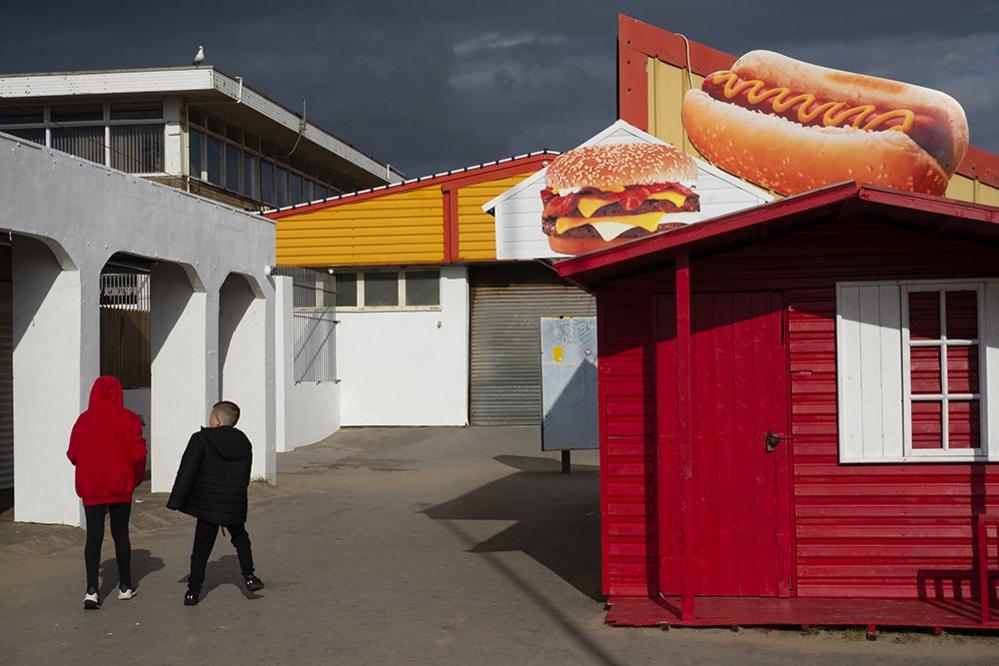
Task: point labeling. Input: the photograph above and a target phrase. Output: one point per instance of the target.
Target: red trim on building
(449, 193)
(651, 41)
(470, 176)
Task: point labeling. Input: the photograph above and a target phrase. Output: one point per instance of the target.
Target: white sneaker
(126, 593)
(91, 601)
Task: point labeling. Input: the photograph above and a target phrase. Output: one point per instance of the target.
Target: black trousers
(204, 540)
(95, 538)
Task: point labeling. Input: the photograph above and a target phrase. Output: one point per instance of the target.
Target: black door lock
(772, 440)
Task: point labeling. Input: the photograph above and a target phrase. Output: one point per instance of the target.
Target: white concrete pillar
(284, 357)
(175, 144)
(178, 332)
(47, 329)
(243, 362)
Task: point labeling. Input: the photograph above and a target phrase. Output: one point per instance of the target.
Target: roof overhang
(196, 84)
(931, 214)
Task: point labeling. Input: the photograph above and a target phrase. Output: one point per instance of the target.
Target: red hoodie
(107, 447)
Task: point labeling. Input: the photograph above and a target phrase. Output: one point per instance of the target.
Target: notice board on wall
(569, 383)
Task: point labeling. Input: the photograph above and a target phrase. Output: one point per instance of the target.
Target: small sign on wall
(569, 383)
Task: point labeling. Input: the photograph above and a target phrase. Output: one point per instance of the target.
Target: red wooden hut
(799, 409)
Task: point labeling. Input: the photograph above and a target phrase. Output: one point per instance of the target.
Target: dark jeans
(95, 538)
(204, 540)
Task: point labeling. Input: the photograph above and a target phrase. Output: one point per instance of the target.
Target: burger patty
(586, 231)
(692, 204)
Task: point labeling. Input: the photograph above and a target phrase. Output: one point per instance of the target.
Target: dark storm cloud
(436, 85)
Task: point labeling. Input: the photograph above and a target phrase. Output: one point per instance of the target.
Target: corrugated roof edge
(285, 210)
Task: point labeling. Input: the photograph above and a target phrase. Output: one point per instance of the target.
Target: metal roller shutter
(6, 389)
(508, 301)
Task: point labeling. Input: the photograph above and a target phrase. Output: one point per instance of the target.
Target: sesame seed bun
(620, 165)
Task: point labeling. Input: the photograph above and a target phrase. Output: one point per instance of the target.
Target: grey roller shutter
(6, 389)
(508, 301)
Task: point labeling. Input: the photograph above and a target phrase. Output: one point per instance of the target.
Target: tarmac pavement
(383, 546)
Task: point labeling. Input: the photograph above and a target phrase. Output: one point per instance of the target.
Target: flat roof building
(194, 127)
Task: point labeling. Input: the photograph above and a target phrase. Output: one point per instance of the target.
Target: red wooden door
(742, 546)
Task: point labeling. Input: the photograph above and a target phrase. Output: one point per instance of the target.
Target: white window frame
(988, 371)
(401, 284)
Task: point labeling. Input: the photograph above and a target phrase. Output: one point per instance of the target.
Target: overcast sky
(432, 85)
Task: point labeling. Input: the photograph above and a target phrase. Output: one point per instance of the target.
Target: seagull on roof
(199, 57)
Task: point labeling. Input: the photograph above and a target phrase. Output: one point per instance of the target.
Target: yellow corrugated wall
(668, 83)
(476, 228)
(403, 228)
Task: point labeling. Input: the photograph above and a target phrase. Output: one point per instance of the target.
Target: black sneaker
(192, 597)
(253, 583)
(91, 601)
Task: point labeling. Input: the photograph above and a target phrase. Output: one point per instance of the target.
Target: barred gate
(314, 299)
(125, 350)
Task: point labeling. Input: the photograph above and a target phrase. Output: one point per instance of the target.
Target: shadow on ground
(223, 571)
(143, 564)
(557, 517)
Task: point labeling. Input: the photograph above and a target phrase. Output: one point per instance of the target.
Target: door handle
(771, 440)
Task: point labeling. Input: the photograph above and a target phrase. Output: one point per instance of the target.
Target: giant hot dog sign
(792, 127)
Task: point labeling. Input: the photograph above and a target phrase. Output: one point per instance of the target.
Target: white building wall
(307, 412)
(84, 213)
(407, 368)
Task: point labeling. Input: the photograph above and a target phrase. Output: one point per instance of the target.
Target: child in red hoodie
(109, 453)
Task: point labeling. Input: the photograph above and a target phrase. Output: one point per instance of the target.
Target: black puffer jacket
(213, 476)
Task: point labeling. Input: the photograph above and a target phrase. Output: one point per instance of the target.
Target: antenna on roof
(199, 57)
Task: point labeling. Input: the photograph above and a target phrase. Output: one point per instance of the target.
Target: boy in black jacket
(211, 486)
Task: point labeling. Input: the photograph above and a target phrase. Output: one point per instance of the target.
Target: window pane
(216, 124)
(213, 160)
(924, 315)
(196, 116)
(251, 141)
(381, 289)
(423, 288)
(927, 428)
(251, 177)
(137, 111)
(294, 188)
(85, 142)
(266, 182)
(924, 369)
(18, 115)
(280, 186)
(71, 113)
(964, 424)
(137, 148)
(33, 135)
(962, 315)
(962, 369)
(310, 191)
(346, 290)
(321, 191)
(232, 162)
(194, 142)
(234, 133)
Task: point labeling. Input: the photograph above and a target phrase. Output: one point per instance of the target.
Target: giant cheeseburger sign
(792, 127)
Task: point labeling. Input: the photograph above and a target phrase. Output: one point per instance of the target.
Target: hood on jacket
(106, 393)
(230, 443)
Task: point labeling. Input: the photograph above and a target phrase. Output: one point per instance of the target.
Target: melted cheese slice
(669, 195)
(590, 205)
(610, 224)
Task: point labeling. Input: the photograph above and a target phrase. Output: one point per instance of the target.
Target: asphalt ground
(384, 546)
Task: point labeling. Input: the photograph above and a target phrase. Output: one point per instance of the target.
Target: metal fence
(125, 291)
(314, 298)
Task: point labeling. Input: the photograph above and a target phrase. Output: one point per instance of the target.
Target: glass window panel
(294, 188)
(233, 132)
(136, 110)
(137, 148)
(964, 425)
(251, 141)
(924, 315)
(195, 140)
(381, 289)
(281, 187)
(216, 124)
(213, 161)
(21, 115)
(74, 113)
(85, 142)
(346, 290)
(310, 191)
(321, 191)
(266, 182)
(233, 158)
(251, 177)
(33, 135)
(962, 369)
(423, 288)
(962, 315)
(196, 116)
(927, 425)
(924, 369)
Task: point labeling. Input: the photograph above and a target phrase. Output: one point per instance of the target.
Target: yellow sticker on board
(557, 353)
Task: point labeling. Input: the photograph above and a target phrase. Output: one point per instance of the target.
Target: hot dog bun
(789, 157)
